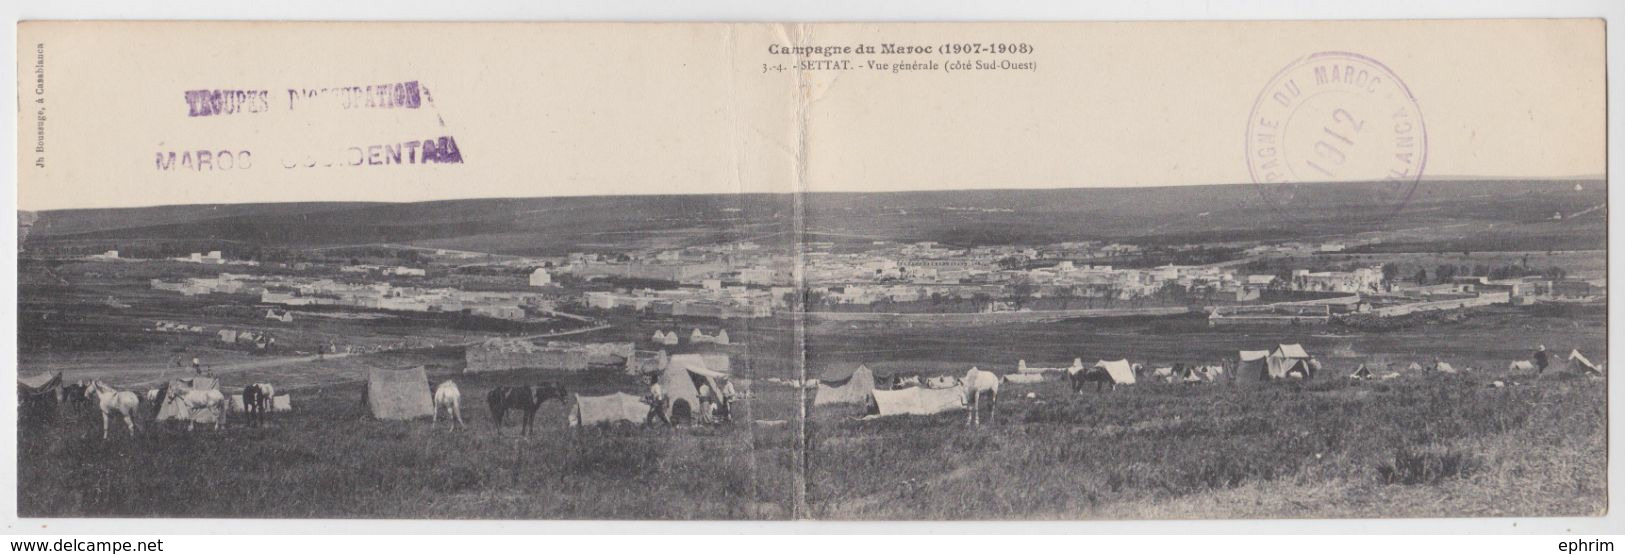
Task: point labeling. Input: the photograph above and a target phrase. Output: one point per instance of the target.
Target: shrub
(1426, 466)
(613, 458)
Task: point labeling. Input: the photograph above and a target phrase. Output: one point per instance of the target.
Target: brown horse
(257, 399)
(1095, 375)
(527, 399)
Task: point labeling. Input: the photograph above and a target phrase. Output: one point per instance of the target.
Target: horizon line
(1442, 178)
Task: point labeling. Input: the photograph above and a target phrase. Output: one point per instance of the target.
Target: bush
(613, 458)
(1426, 466)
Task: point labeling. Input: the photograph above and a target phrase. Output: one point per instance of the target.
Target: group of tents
(856, 386)
(39, 392)
(403, 394)
(1283, 362)
(670, 338)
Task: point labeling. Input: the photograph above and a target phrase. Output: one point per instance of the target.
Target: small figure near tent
(725, 405)
(708, 408)
(656, 399)
(1542, 360)
(197, 366)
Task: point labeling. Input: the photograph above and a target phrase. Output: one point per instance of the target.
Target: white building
(540, 277)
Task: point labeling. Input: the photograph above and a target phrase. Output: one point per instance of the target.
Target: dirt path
(162, 374)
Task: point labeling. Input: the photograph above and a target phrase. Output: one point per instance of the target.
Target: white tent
(609, 409)
(399, 393)
(1579, 363)
(1120, 371)
(279, 403)
(1022, 367)
(1287, 359)
(1521, 365)
(681, 381)
(918, 401)
(1361, 373)
(715, 366)
(170, 407)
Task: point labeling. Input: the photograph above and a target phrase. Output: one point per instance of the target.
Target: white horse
(976, 382)
(446, 396)
(194, 400)
(111, 400)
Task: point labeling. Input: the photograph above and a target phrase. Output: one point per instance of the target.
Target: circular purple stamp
(1336, 117)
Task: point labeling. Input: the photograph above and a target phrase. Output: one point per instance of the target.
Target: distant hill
(1494, 210)
(513, 226)
(1486, 213)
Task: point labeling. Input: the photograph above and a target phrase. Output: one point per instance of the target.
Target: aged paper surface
(1009, 271)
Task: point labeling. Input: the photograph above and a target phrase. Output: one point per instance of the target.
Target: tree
(1444, 273)
(1390, 271)
(1421, 276)
(1012, 262)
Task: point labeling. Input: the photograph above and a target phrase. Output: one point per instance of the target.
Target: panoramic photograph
(500, 363)
(1318, 286)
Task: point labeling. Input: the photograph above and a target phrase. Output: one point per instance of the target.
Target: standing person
(1541, 360)
(197, 366)
(656, 399)
(708, 405)
(729, 394)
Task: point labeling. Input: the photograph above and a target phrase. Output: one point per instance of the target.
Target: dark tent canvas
(38, 395)
(1252, 366)
(837, 386)
(40, 386)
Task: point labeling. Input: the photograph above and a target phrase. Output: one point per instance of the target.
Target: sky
(539, 109)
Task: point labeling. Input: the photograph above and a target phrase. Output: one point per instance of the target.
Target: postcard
(812, 271)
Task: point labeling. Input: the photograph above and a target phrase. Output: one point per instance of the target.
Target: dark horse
(257, 401)
(526, 399)
(1093, 375)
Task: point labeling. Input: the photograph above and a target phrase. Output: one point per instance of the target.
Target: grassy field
(330, 459)
(1440, 447)
(1417, 446)
(1489, 338)
(1420, 445)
